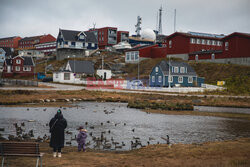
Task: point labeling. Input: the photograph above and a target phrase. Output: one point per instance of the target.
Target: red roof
(246, 35)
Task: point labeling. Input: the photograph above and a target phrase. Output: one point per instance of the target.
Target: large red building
(181, 44)
(28, 43)
(235, 49)
(11, 42)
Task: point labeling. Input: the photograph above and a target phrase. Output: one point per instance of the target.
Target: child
(81, 138)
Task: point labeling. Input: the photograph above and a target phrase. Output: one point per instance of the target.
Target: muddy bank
(224, 154)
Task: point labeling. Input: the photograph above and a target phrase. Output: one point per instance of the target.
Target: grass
(223, 154)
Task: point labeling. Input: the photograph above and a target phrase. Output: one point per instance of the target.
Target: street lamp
(138, 66)
(74, 68)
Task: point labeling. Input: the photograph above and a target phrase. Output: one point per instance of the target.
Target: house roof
(138, 47)
(246, 35)
(31, 38)
(8, 51)
(196, 35)
(164, 65)
(70, 35)
(27, 60)
(9, 37)
(86, 67)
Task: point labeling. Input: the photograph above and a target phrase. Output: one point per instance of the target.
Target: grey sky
(36, 17)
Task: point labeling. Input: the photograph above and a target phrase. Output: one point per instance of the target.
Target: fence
(17, 82)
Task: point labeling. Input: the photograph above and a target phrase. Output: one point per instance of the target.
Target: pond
(117, 123)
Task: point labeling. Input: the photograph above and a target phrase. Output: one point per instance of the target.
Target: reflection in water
(117, 123)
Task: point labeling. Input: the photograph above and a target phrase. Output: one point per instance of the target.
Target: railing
(5, 81)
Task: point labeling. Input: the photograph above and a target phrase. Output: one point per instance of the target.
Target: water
(122, 120)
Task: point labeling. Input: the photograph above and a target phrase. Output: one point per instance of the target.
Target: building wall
(239, 61)
(10, 42)
(158, 52)
(180, 45)
(65, 53)
(120, 35)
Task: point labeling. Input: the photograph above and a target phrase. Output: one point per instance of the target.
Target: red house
(19, 65)
(181, 44)
(11, 42)
(143, 52)
(28, 43)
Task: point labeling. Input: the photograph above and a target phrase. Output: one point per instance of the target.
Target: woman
(57, 126)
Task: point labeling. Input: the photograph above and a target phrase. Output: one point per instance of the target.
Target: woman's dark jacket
(57, 131)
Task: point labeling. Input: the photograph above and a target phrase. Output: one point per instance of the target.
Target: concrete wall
(180, 56)
(68, 53)
(239, 61)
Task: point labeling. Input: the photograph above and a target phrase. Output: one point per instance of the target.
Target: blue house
(181, 74)
(78, 43)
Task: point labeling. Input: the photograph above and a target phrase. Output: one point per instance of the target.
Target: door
(105, 75)
(8, 69)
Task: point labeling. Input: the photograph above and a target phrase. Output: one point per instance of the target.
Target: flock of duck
(101, 141)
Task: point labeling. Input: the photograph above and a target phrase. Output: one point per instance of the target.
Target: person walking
(57, 126)
(81, 138)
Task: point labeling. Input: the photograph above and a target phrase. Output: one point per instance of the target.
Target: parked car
(47, 79)
(136, 83)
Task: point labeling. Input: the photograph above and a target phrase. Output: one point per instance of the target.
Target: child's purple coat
(81, 138)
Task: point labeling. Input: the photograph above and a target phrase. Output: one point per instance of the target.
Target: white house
(75, 72)
(104, 74)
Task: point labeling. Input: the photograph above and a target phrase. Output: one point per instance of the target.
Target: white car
(136, 83)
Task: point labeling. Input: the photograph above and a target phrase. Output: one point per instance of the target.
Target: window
(18, 61)
(156, 69)
(192, 40)
(180, 79)
(198, 41)
(136, 55)
(182, 70)
(212, 56)
(26, 68)
(176, 69)
(132, 56)
(127, 56)
(66, 76)
(196, 57)
(213, 42)
(17, 68)
(190, 79)
(153, 78)
(203, 42)
(159, 78)
(218, 43)
(170, 44)
(92, 45)
(56, 75)
(86, 45)
(226, 45)
(81, 36)
(170, 79)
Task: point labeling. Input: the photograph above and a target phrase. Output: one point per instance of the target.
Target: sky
(36, 17)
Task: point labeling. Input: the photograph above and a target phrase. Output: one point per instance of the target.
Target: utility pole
(138, 67)
(174, 20)
(169, 86)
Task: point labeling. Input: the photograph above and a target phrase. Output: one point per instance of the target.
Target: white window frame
(192, 40)
(153, 78)
(182, 70)
(156, 69)
(136, 55)
(170, 44)
(226, 45)
(213, 56)
(66, 78)
(203, 41)
(18, 61)
(170, 79)
(190, 79)
(198, 41)
(26, 68)
(213, 42)
(17, 68)
(180, 79)
(176, 69)
(160, 78)
(128, 56)
(132, 54)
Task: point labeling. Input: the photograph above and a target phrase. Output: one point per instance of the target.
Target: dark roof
(27, 61)
(206, 52)
(86, 67)
(9, 37)
(70, 35)
(140, 47)
(31, 38)
(164, 65)
(246, 35)
(8, 51)
(196, 34)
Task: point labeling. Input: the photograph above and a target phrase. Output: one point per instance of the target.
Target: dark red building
(182, 44)
(122, 36)
(11, 42)
(28, 43)
(19, 65)
(235, 49)
(107, 36)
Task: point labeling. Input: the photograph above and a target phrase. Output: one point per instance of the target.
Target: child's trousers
(81, 147)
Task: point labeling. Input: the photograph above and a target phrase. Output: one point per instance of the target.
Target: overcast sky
(35, 17)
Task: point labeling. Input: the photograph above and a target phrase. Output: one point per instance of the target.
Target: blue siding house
(181, 74)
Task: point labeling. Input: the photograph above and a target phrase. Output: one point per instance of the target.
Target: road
(57, 87)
